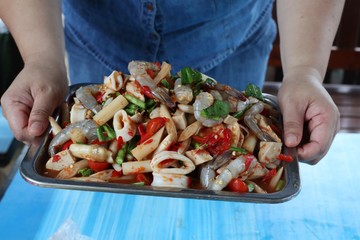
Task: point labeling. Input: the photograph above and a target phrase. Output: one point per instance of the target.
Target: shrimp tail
(88, 128)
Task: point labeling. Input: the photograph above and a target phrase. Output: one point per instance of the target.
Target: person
(229, 41)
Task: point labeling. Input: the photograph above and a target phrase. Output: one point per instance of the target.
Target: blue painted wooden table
(326, 208)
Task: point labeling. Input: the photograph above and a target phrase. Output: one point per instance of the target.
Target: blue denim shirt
(201, 34)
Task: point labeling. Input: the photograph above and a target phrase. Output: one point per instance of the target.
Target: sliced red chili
(66, 145)
(98, 96)
(120, 143)
(56, 158)
(269, 175)
(116, 174)
(286, 158)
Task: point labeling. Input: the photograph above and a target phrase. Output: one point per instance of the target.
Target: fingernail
(36, 128)
(291, 140)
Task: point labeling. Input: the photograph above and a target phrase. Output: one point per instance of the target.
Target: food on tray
(183, 130)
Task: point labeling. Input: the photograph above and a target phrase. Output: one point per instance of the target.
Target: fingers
(293, 125)
(310, 118)
(43, 108)
(17, 116)
(322, 129)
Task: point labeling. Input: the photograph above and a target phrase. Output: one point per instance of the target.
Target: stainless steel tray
(34, 161)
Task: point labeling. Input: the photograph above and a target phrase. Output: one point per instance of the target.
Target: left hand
(310, 116)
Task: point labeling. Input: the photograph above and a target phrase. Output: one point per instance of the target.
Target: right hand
(32, 97)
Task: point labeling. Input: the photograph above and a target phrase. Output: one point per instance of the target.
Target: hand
(311, 118)
(33, 96)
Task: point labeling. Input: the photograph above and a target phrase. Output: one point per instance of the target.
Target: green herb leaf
(252, 90)
(85, 172)
(190, 76)
(218, 110)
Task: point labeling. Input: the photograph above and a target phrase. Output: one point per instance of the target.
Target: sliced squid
(93, 152)
(268, 153)
(78, 112)
(72, 170)
(123, 125)
(188, 165)
(170, 180)
(60, 160)
(135, 90)
(114, 81)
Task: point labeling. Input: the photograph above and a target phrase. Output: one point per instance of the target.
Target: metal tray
(34, 161)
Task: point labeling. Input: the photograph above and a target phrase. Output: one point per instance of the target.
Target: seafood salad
(182, 130)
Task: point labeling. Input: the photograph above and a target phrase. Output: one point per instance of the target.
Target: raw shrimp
(227, 90)
(88, 127)
(250, 121)
(232, 170)
(138, 70)
(207, 173)
(86, 97)
(183, 93)
(202, 101)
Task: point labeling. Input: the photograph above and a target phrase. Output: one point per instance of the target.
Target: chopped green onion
(105, 133)
(100, 133)
(139, 183)
(241, 113)
(210, 82)
(85, 172)
(150, 104)
(240, 150)
(251, 187)
(135, 100)
(109, 131)
(165, 83)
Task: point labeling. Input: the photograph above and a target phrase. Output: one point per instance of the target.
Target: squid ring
(155, 163)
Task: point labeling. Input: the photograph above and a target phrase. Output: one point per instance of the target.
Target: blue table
(6, 135)
(326, 208)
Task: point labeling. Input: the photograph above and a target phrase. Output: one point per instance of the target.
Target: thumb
(293, 120)
(39, 115)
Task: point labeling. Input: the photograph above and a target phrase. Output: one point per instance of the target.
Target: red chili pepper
(269, 175)
(198, 139)
(120, 143)
(65, 124)
(216, 142)
(174, 146)
(151, 73)
(151, 128)
(144, 90)
(98, 142)
(248, 159)
(286, 158)
(116, 174)
(98, 96)
(145, 178)
(147, 92)
(56, 158)
(66, 145)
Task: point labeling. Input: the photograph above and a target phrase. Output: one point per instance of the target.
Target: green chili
(240, 150)
(135, 100)
(121, 154)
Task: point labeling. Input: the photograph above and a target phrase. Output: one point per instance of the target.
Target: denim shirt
(200, 33)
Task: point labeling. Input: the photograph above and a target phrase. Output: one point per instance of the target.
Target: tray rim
(31, 175)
